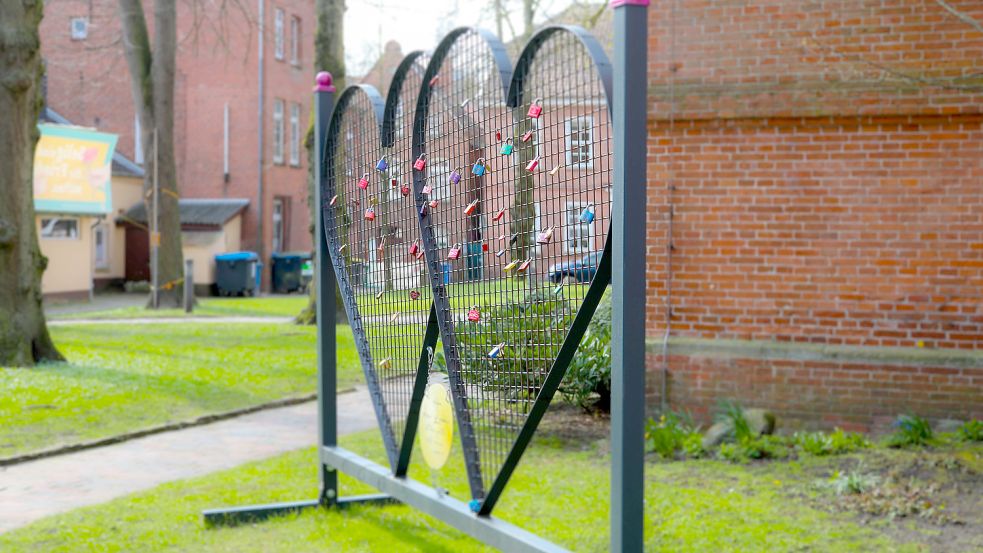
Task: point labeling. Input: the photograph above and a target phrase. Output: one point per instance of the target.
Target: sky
(419, 24)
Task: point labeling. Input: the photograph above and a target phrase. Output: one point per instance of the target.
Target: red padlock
(498, 134)
(472, 207)
(531, 167)
(363, 182)
(370, 214)
(498, 216)
(484, 246)
(455, 253)
(420, 162)
(415, 248)
(536, 108)
(393, 183)
(525, 265)
(433, 204)
(419, 255)
(474, 315)
(526, 136)
(404, 190)
(414, 295)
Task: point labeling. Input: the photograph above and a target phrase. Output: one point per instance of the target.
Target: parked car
(581, 270)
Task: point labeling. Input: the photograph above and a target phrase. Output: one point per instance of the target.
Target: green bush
(972, 431)
(588, 379)
(911, 430)
(761, 447)
(853, 482)
(735, 413)
(671, 433)
(820, 443)
(693, 445)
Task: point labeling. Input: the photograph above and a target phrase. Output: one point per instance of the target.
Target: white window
(580, 135)
(277, 224)
(60, 229)
(295, 40)
(578, 234)
(80, 28)
(278, 131)
(100, 239)
(278, 34)
(295, 135)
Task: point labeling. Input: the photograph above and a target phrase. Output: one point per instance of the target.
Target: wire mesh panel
(515, 205)
(370, 222)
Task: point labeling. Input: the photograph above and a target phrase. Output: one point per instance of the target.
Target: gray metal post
(628, 262)
(327, 401)
(189, 285)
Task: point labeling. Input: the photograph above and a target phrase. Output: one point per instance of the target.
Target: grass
(558, 491)
(121, 378)
(273, 306)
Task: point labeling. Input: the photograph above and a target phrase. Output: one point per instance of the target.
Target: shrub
(911, 430)
(693, 445)
(972, 431)
(732, 411)
(762, 447)
(820, 443)
(853, 482)
(588, 379)
(670, 433)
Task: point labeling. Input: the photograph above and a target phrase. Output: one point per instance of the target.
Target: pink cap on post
(324, 81)
(619, 3)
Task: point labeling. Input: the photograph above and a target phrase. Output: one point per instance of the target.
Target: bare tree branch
(965, 18)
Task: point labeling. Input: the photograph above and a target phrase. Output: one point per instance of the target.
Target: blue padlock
(479, 167)
(382, 165)
(587, 216)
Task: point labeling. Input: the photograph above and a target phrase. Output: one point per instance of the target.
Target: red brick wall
(824, 161)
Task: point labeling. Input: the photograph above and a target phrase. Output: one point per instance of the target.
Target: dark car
(581, 270)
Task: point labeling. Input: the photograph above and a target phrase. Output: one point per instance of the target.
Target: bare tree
(24, 338)
(152, 69)
(329, 55)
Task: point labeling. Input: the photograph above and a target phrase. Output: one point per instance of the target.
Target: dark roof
(194, 212)
(122, 165)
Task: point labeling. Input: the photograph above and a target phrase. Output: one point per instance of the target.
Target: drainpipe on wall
(670, 189)
(259, 138)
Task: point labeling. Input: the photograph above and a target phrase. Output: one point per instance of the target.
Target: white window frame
(278, 34)
(100, 255)
(277, 215)
(575, 232)
(79, 28)
(278, 131)
(295, 135)
(295, 40)
(583, 121)
(48, 223)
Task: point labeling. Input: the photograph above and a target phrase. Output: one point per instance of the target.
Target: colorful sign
(72, 170)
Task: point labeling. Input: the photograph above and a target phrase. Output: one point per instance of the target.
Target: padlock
(382, 164)
(455, 176)
(433, 204)
(465, 103)
(363, 182)
(513, 239)
(558, 289)
(533, 164)
(484, 246)
(495, 351)
(523, 266)
(342, 248)
(498, 215)
(454, 253)
(526, 135)
(414, 295)
(498, 134)
(479, 167)
(423, 210)
(507, 147)
(393, 183)
(587, 215)
(380, 294)
(500, 252)
(415, 248)
(334, 200)
(536, 108)
(420, 162)
(474, 315)
(501, 238)
(394, 317)
(472, 207)
(427, 189)
(385, 364)
(555, 170)
(545, 236)
(404, 190)
(381, 248)
(512, 265)
(373, 201)
(370, 214)
(434, 80)
(419, 255)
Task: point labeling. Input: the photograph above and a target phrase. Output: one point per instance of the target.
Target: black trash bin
(237, 273)
(288, 271)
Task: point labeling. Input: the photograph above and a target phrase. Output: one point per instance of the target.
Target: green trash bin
(288, 271)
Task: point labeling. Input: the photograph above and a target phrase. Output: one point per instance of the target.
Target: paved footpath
(36, 489)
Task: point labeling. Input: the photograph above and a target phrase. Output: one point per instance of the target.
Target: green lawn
(272, 306)
(121, 378)
(462, 296)
(560, 490)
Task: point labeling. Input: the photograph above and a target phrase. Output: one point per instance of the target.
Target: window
(577, 239)
(580, 132)
(295, 40)
(100, 237)
(278, 34)
(80, 28)
(278, 131)
(65, 229)
(295, 135)
(281, 208)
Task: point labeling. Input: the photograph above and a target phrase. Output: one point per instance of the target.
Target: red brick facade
(824, 164)
(88, 82)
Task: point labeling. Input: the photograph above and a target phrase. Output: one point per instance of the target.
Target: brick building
(220, 120)
(817, 168)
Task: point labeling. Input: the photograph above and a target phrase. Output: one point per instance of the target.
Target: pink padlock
(536, 108)
(415, 248)
(474, 315)
(433, 204)
(363, 182)
(472, 207)
(454, 253)
(420, 162)
(531, 167)
(499, 214)
(404, 190)
(427, 189)
(522, 267)
(414, 295)
(370, 214)
(545, 236)
(334, 200)
(526, 136)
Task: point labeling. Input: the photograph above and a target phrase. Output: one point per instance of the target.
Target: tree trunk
(24, 338)
(329, 55)
(152, 73)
